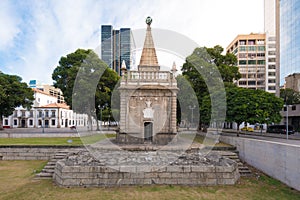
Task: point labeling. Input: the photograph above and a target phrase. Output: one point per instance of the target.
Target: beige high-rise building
(250, 51)
(272, 31)
(293, 81)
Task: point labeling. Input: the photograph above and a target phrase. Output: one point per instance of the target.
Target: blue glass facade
(116, 47)
(289, 38)
(106, 44)
(125, 46)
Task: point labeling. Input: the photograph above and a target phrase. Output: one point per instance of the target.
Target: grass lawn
(17, 183)
(78, 141)
(55, 140)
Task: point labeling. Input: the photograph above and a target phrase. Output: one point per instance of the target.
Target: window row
(252, 62)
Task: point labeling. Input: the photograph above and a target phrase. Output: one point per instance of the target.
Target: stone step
(44, 175)
(49, 167)
(47, 170)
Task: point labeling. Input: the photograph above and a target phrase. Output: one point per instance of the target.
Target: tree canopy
(289, 96)
(86, 81)
(207, 70)
(13, 93)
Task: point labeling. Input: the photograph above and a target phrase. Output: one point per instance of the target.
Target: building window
(271, 81)
(30, 122)
(251, 83)
(272, 52)
(261, 48)
(272, 88)
(242, 55)
(293, 107)
(6, 122)
(252, 48)
(272, 66)
(251, 42)
(15, 122)
(251, 62)
(53, 122)
(242, 42)
(40, 114)
(272, 59)
(242, 83)
(260, 41)
(271, 74)
(31, 114)
(272, 45)
(53, 114)
(242, 48)
(261, 55)
(242, 62)
(261, 62)
(272, 39)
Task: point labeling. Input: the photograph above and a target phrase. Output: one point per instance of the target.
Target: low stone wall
(88, 176)
(31, 152)
(278, 160)
(118, 167)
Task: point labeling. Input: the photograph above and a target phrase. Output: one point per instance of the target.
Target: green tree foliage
(208, 67)
(78, 76)
(289, 96)
(253, 106)
(13, 93)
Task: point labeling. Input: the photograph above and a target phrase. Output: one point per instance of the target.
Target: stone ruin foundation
(118, 167)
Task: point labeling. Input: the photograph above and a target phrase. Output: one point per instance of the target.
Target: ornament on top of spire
(148, 20)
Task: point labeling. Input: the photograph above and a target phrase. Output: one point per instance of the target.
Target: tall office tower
(250, 51)
(271, 29)
(289, 38)
(106, 44)
(116, 46)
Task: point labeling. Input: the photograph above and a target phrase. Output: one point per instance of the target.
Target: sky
(35, 34)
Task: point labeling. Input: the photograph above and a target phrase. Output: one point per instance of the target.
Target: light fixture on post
(192, 108)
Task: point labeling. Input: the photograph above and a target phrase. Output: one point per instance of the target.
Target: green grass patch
(17, 183)
(68, 141)
(204, 140)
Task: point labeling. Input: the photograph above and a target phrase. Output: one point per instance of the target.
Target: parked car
(280, 129)
(246, 128)
(73, 127)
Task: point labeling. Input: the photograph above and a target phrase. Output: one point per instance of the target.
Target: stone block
(131, 169)
(151, 175)
(174, 168)
(179, 175)
(202, 168)
(225, 168)
(164, 175)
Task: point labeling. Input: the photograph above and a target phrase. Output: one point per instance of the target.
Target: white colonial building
(45, 112)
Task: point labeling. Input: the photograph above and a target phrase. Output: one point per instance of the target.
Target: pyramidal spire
(148, 58)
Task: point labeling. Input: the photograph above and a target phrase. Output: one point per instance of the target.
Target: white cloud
(8, 25)
(60, 27)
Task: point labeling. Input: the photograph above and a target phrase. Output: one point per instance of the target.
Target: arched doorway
(148, 131)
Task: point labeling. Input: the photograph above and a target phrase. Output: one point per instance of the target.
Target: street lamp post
(192, 108)
(43, 122)
(287, 121)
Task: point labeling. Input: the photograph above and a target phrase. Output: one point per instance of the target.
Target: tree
(207, 70)
(253, 106)
(289, 96)
(86, 82)
(13, 93)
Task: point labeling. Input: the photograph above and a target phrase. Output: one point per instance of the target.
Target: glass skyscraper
(289, 38)
(116, 46)
(106, 44)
